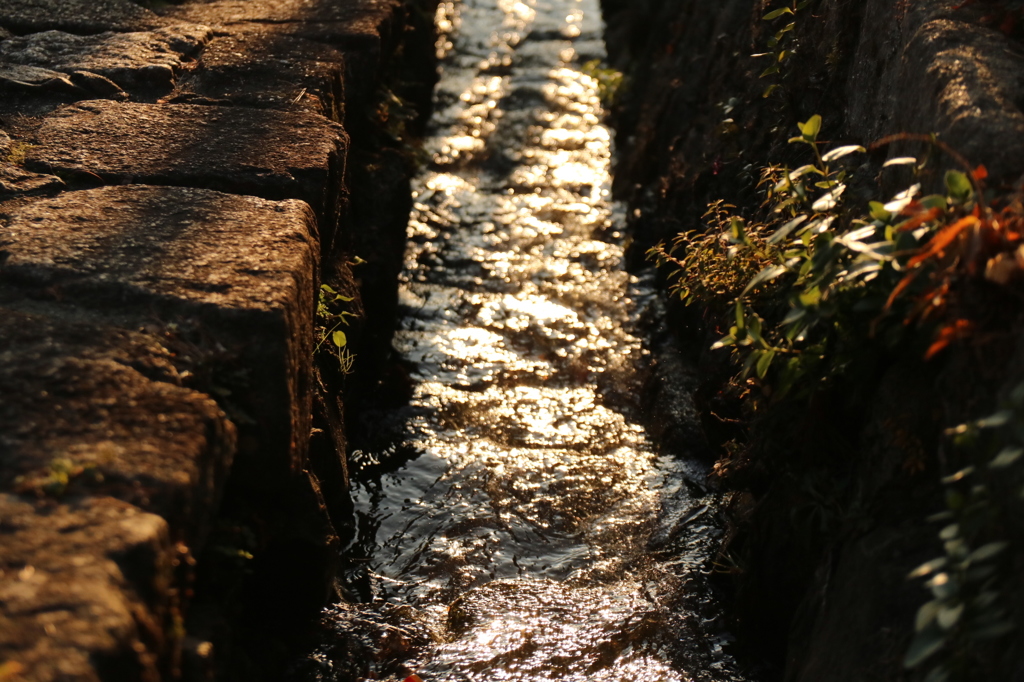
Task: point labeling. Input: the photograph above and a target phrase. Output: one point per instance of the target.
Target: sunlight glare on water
(514, 544)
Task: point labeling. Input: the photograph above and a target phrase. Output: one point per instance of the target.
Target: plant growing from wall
(969, 582)
(783, 44)
(330, 318)
(812, 279)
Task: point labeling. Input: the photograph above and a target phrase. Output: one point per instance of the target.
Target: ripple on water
(516, 541)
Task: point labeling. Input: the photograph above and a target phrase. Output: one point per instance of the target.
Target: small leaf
(926, 614)
(775, 14)
(958, 476)
(927, 568)
(764, 363)
(1006, 457)
(784, 231)
(729, 340)
(986, 552)
(993, 631)
(926, 643)
(948, 616)
(740, 324)
(1000, 418)
(900, 161)
(878, 211)
(829, 200)
(766, 275)
(840, 152)
(958, 185)
(937, 674)
(771, 70)
(949, 532)
(328, 289)
(811, 128)
(769, 90)
(339, 339)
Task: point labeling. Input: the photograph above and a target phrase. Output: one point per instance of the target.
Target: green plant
(330, 318)
(60, 473)
(835, 278)
(968, 582)
(782, 45)
(609, 81)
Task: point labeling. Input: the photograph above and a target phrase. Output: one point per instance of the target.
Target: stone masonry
(173, 185)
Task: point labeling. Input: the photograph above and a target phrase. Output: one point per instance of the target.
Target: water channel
(515, 522)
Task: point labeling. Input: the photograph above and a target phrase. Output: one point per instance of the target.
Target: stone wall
(175, 185)
(693, 127)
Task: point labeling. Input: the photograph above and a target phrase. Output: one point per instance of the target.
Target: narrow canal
(514, 521)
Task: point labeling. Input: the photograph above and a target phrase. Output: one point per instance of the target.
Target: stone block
(368, 31)
(76, 16)
(267, 70)
(135, 61)
(236, 274)
(88, 408)
(86, 590)
(350, 25)
(270, 154)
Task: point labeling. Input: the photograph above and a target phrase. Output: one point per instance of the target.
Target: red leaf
(980, 173)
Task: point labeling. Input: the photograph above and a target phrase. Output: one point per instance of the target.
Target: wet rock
(76, 16)
(272, 154)
(266, 70)
(85, 588)
(234, 274)
(89, 408)
(140, 60)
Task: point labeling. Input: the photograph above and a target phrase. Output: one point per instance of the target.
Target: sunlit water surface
(528, 530)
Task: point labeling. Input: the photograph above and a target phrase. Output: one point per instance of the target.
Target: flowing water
(515, 521)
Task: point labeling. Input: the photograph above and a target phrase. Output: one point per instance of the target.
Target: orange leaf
(980, 173)
(904, 283)
(413, 678)
(957, 330)
(942, 239)
(916, 221)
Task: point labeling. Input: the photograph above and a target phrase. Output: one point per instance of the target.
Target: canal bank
(832, 493)
(177, 184)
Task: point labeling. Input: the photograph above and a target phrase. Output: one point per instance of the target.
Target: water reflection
(515, 543)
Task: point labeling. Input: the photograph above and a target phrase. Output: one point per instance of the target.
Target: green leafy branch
(967, 582)
(782, 45)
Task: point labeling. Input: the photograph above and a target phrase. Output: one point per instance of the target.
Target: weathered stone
(15, 181)
(140, 60)
(89, 408)
(366, 30)
(76, 16)
(85, 588)
(267, 70)
(350, 25)
(272, 154)
(236, 272)
(5, 34)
